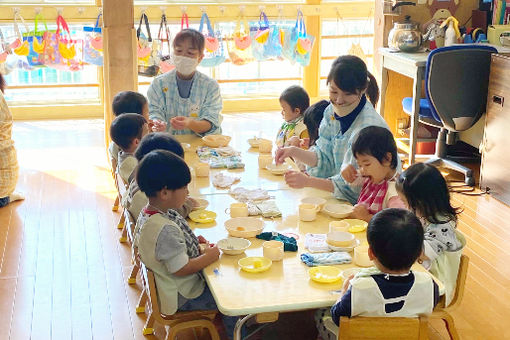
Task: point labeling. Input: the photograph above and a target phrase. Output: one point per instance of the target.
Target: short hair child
(425, 190)
(125, 128)
(197, 39)
(312, 119)
(296, 97)
(378, 142)
(294, 101)
(129, 102)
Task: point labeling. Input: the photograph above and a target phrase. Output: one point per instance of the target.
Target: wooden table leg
(384, 86)
(415, 116)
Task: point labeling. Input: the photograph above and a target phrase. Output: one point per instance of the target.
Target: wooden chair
(113, 164)
(442, 312)
(121, 190)
(359, 328)
(130, 229)
(197, 320)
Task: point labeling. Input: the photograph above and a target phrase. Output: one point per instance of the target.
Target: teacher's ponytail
(372, 89)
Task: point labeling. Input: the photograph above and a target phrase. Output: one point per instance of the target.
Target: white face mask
(344, 110)
(184, 65)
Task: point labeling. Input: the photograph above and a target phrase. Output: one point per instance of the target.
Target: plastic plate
(255, 264)
(325, 274)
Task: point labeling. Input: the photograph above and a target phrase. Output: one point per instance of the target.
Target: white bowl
(216, 141)
(233, 245)
(340, 239)
(351, 271)
(346, 249)
(315, 200)
(338, 210)
(278, 169)
(202, 204)
(244, 226)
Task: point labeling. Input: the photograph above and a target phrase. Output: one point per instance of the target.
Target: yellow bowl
(338, 210)
(202, 204)
(340, 239)
(325, 274)
(255, 264)
(356, 226)
(202, 216)
(216, 141)
(244, 226)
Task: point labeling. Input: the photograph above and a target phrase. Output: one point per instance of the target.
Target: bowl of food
(315, 200)
(278, 169)
(201, 204)
(338, 210)
(356, 226)
(233, 245)
(244, 226)
(202, 216)
(216, 141)
(340, 239)
(254, 142)
(255, 264)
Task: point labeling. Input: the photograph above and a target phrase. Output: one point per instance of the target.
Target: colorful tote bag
(239, 44)
(165, 50)
(62, 52)
(147, 50)
(20, 48)
(214, 53)
(93, 44)
(36, 42)
(297, 45)
(266, 42)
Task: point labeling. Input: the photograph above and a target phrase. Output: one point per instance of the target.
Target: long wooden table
(286, 285)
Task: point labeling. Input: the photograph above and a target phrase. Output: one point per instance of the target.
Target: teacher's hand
(296, 179)
(180, 122)
(283, 153)
(158, 125)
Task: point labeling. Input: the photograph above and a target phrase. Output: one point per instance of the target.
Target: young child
(127, 131)
(166, 244)
(312, 118)
(294, 101)
(376, 154)
(390, 289)
(424, 190)
(127, 102)
(135, 199)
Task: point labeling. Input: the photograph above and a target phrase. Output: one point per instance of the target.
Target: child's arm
(343, 305)
(196, 264)
(361, 213)
(305, 156)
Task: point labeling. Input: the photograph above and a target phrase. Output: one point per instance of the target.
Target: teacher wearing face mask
(185, 101)
(328, 161)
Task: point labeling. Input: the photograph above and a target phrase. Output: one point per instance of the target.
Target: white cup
(339, 226)
(308, 212)
(273, 250)
(265, 146)
(265, 160)
(361, 257)
(238, 210)
(202, 169)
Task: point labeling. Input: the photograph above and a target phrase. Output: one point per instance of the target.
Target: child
(166, 244)
(350, 84)
(424, 190)
(390, 289)
(312, 118)
(294, 101)
(185, 101)
(376, 154)
(135, 200)
(127, 131)
(127, 102)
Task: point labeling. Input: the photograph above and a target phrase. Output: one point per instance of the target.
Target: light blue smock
(333, 149)
(204, 102)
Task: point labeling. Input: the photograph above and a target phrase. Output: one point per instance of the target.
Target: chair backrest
(456, 83)
(383, 328)
(120, 184)
(149, 284)
(461, 282)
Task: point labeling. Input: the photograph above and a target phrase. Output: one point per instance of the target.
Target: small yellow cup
(361, 257)
(202, 169)
(265, 146)
(339, 226)
(273, 250)
(308, 212)
(238, 210)
(265, 160)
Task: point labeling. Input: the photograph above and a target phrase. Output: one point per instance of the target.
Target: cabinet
(495, 167)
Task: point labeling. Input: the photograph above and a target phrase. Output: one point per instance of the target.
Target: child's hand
(282, 153)
(361, 212)
(305, 143)
(180, 122)
(212, 252)
(293, 141)
(202, 239)
(296, 179)
(349, 173)
(158, 125)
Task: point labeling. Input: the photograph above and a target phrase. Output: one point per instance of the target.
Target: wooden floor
(63, 272)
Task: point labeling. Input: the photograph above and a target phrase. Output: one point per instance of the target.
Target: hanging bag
(165, 63)
(214, 53)
(184, 20)
(20, 48)
(147, 61)
(93, 44)
(265, 39)
(36, 42)
(304, 43)
(66, 52)
(5, 51)
(239, 44)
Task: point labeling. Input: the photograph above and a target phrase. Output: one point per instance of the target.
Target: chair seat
(425, 112)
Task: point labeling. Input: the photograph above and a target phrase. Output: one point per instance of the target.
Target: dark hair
(376, 141)
(426, 192)
(396, 238)
(128, 102)
(197, 38)
(296, 97)
(3, 83)
(158, 140)
(312, 119)
(350, 74)
(161, 169)
(125, 128)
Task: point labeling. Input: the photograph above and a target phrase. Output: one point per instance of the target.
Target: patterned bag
(266, 40)
(297, 45)
(164, 38)
(147, 50)
(20, 48)
(239, 44)
(93, 44)
(214, 52)
(65, 53)
(36, 42)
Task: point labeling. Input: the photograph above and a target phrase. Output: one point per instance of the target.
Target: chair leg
(140, 306)
(450, 326)
(115, 206)
(132, 276)
(172, 333)
(149, 325)
(122, 219)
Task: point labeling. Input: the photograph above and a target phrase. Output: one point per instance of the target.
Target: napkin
(220, 158)
(269, 209)
(289, 243)
(316, 243)
(224, 180)
(245, 195)
(323, 259)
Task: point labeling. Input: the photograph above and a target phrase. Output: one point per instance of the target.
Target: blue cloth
(4, 201)
(333, 149)
(184, 86)
(204, 102)
(346, 121)
(324, 259)
(289, 243)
